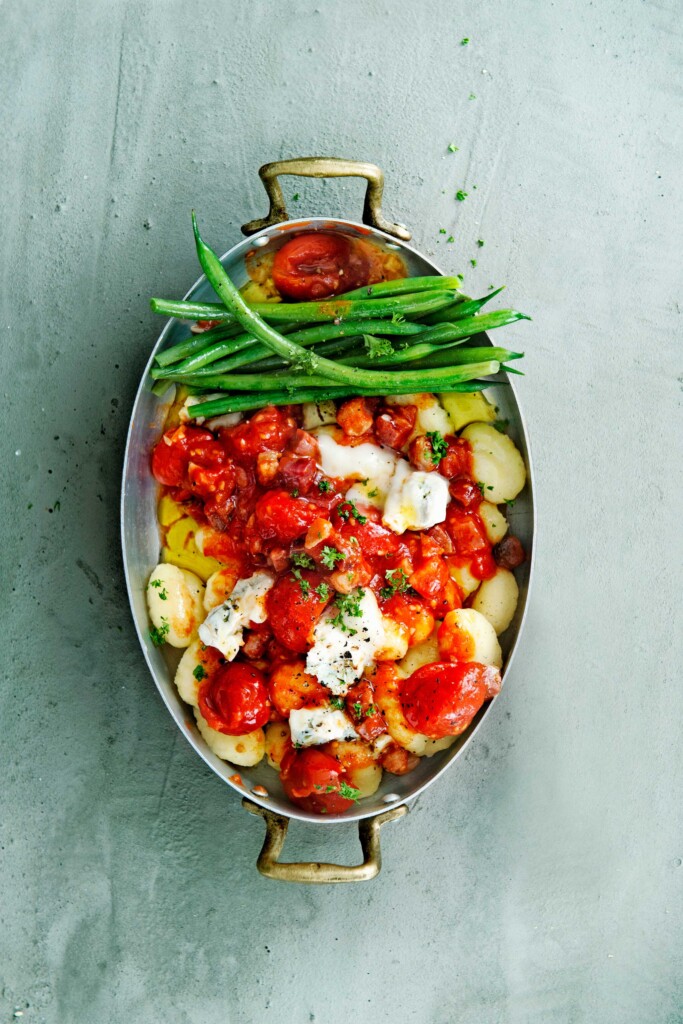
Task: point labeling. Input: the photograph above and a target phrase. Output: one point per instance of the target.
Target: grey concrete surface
(541, 880)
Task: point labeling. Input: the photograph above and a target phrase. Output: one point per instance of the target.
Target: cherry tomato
(442, 699)
(281, 517)
(267, 431)
(177, 448)
(312, 780)
(318, 265)
(234, 699)
(294, 606)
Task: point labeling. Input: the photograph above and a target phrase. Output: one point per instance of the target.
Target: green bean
(193, 344)
(306, 337)
(412, 380)
(402, 285)
(431, 356)
(245, 402)
(461, 309)
(416, 303)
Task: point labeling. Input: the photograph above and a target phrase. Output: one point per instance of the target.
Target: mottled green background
(540, 880)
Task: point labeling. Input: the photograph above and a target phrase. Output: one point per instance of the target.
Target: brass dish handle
(325, 167)
(310, 871)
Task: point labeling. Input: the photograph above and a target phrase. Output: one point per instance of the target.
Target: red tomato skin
(281, 517)
(234, 699)
(267, 431)
(176, 449)
(442, 699)
(292, 614)
(312, 780)
(317, 265)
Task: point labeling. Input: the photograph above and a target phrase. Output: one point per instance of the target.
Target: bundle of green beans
(393, 337)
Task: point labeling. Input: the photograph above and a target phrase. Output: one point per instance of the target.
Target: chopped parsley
(158, 634)
(324, 486)
(501, 425)
(377, 347)
(510, 502)
(295, 197)
(452, 148)
(295, 493)
(337, 702)
(397, 318)
(348, 604)
(358, 709)
(473, 262)
(330, 556)
(370, 711)
(464, 42)
(482, 487)
(461, 196)
(351, 510)
(397, 583)
(439, 446)
(158, 585)
(199, 673)
(348, 792)
(304, 584)
(302, 559)
(373, 493)
(472, 96)
(442, 231)
(480, 243)
(323, 591)
(450, 238)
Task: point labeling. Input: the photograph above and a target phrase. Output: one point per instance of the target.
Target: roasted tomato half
(313, 780)
(294, 606)
(317, 265)
(442, 699)
(234, 699)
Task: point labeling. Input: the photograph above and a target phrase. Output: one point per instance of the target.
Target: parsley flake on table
(473, 263)
(450, 238)
(461, 196)
(452, 148)
(480, 243)
(464, 41)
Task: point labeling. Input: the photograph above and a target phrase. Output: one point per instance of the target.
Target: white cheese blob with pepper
(345, 644)
(223, 627)
(311, 726)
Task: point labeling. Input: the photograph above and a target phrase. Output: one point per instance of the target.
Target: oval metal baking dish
(141, 543)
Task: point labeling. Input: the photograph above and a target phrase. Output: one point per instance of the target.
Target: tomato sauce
(262, 502)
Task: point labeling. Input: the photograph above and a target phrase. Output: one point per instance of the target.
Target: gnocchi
(175, 603)
(497, 599)
(466, 635)
(496, 461)
(245, 750)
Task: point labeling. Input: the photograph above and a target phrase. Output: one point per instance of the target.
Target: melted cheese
(416, 500)
(223, 627)
(341, 653)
